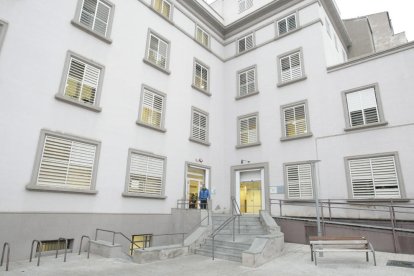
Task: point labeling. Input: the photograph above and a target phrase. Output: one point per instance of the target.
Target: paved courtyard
(295, 260)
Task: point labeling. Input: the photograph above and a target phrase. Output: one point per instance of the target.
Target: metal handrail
(235, 206)
(89, 244)
(113, 237)
(198, 224)
(6, 244)
(39, 246)
(221, 227)
(186, 204)
(66, 248)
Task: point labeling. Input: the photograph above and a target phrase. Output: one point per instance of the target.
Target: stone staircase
(225, 248)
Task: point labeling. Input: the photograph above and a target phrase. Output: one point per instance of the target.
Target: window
(291, 67)
(141, 241)
(247, 82)
(202, 37)
(248, 130)
(163, 7)
(65, 163)
(152, 109)
(295, 121)
(245, 5)
(363, 107)
(245, 43)
(146, 175)
(81, 82)
(157, 51)
(299, 180)
(95, 16)
(286, 24)
(373, 177)
(53, 245)
(199, 126)
(3, 29)
(201, 77)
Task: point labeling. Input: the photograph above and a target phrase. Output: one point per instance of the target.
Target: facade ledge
(246, 96)
(248, 145)
(151, 127)
(201, 90)
(204, 143)
(60, 97)
(297, 137)
(91, 32)
(32, 187)
(281, 84)
(166, 71)
(348, 129)
(127, 194)
(372, 200)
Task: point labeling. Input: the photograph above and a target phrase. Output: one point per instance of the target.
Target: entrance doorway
(195, 178)
(250, 191)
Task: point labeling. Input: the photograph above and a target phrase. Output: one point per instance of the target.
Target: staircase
(225, 248)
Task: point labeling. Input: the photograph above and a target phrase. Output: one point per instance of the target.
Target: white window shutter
(201, 77)
(295, 121)
(247, 82)
(248, 131)
(199, 126)
(291, 67)
(245, 43)
(286, 24)
(146, 175)
(152, 108)
(299, 181)
(362, 107)
(158, 51)
(95, 15)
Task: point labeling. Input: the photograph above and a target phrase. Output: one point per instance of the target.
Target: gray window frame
(126, 193)
(253, 34)
(159, 93)
(60, 95)
(382, 121)
(172, 7)
(313, 172)
(256, 83)
(279, 69)
(4, 26)
(75, 22)
(198, 26)
(366, 156)
(282, 116)
(296, 13)
(193, 139)
(147, 61)
(207, 91)
(32, 186)
(239, 118)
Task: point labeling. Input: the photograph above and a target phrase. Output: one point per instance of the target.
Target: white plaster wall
(333, 54)
(183, 22)
(265, 34)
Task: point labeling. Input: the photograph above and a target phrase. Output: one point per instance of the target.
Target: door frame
(235, 187)
(197, 165)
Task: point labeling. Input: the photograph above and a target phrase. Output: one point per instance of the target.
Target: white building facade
(113, 111)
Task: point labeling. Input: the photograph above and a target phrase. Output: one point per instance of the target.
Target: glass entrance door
(196, 177)
(250, 197)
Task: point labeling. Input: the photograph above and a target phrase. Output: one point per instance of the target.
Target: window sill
(163, 130)
(281, 84)
(207, 47)
(246, 51)
(379, 200)
(91, 32)
(248, 145)
(204, 143)
(366, 126)
(60, 97)
(246, 96)
(297, 137)
(39, 188)
(201, 90)
(127, 194)
(166, 71)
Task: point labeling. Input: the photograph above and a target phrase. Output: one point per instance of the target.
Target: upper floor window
(163, 7)
(248, 130)
(201, 77)
(199, 126)
(374, 176)
(363, 107)
(295, 121)
(202, 37)
(291, 67)
(81, 82)
(96, 17)
(152, 108)
(146, 175)
(245, 5)
(247, 82)
(245, 43)
(65, 163)
(286, 24)
(3, 29)
(157, 51)
(299, 181)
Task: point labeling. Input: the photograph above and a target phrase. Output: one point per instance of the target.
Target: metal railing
(188, 204)
(114, 233)
(199, 224)
(89, 244)
(66, 248)
(6, 244)
(39, 247)
(384, 210)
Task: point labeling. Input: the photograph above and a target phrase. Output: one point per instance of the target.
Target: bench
(340, 244)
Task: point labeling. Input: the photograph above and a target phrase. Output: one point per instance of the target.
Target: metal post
(96, 235)
(280, 207)
(234, 222)
(323, 219)
(183, 239)
(113, 238)
(330, 212)
(8, 255)
(212, 251)
(316, 195)
(39, 246)
(393, 228)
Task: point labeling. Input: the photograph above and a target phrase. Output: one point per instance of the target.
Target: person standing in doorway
(204, 195)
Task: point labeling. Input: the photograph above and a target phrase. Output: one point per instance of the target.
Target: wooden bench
(340, 244)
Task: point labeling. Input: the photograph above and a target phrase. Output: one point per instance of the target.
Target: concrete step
(242, 227)
(220, 255)
(237, 245)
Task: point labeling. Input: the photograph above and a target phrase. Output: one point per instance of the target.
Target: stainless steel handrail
(221, 227)
(237, 209)
(39, 246)
(114, 233)
(198, 224)
(6, 244)
(66, 247)
(89, 244)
